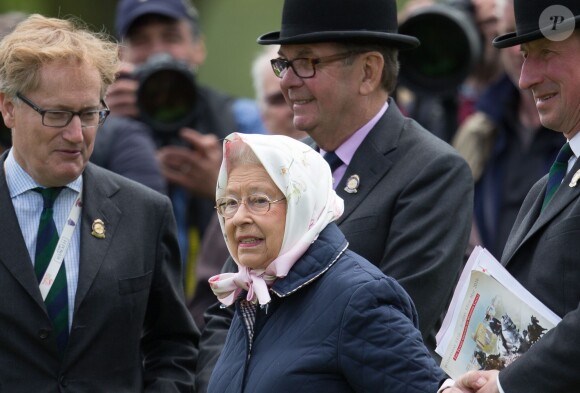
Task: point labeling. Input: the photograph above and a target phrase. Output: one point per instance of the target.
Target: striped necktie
(557, 173)
(57, 299)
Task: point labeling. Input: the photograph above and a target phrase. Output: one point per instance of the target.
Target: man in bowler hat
(542, 249)
(407, 194)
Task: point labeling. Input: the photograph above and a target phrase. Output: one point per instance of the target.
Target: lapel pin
(575, 179)
(98, 229)
(352, 184)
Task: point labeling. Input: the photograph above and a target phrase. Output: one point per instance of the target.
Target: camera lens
(450, 48)
(166, 96)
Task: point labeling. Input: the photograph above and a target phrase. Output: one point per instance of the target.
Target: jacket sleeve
(380, 346)
(170, 337)
(429, 235)
(551, 365)
(217, 324)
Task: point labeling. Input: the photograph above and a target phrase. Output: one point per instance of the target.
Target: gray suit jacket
(411, 216)
(543, 253)
(131, 331)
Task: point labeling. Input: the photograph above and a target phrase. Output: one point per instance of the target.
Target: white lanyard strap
(61, 247)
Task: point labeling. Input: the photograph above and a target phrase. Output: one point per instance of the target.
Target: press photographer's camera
(166, 96)
(451, 46)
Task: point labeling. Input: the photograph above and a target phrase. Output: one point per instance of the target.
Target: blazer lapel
(13, 252)
(97, 205)
(535, 220)
(371, 160)
(518, 234)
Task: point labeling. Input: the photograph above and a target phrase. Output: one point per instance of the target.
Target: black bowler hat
(310, 21)
(532, 23)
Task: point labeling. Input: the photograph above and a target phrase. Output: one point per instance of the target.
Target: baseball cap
(129, 10)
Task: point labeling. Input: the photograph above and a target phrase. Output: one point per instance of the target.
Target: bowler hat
(129, 10)
(533, 23)
(310, 21)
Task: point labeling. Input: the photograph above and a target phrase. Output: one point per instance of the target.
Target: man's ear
(7, 110)
(373, 63)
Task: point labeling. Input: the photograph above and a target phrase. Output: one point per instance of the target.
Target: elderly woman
(311, 315)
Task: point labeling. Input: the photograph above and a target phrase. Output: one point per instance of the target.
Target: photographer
(189, 154)
(441, 81)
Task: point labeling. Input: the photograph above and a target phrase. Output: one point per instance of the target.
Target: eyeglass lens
(303, 67)
(258, 204)
(62, 118)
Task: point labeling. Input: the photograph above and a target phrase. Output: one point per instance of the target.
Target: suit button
(43, 333)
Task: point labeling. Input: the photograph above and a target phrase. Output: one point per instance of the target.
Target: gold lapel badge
(352, 184)
(575, 179)
(98, 229)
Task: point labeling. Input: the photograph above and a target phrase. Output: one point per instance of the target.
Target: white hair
(261, 65)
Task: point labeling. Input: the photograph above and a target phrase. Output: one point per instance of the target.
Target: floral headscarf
(305, 179)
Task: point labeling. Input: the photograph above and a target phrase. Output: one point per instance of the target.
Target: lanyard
(61, 247)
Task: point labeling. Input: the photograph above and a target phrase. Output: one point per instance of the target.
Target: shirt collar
(575, 144)
(346, 151)
(19, 181)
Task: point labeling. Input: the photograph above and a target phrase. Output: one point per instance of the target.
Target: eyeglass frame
(313, 61)
(42, 112)
(241, 202)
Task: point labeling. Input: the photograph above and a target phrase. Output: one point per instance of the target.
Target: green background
(230, 27)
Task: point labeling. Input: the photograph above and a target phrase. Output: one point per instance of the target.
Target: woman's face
(254, 239)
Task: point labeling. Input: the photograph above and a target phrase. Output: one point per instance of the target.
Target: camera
(166, 96)
(451, 46)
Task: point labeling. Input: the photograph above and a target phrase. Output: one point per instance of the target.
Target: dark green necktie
(57, 299)
(557, 173)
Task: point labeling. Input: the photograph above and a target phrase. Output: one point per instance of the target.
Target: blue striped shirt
(28, 206)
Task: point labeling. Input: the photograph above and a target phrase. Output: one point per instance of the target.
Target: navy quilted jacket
(336, 324)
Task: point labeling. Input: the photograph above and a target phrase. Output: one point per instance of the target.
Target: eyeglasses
(227, 207)
(305, 67)
(62, 118)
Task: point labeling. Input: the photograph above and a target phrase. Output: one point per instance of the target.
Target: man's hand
(195, 168)
(122, 94)
(476, 382)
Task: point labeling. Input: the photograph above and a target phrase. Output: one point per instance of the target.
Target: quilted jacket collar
(319, 257)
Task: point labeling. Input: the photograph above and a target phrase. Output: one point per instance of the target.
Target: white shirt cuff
(499, 385)
(447, 384)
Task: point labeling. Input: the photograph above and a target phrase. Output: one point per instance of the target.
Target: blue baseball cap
(129, 10)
